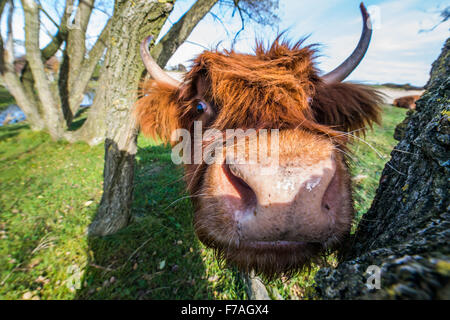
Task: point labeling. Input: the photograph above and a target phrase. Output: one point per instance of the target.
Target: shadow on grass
(157, 256)
(78, 120)
(9, 131)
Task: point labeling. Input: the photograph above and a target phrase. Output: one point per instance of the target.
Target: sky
(399, 52)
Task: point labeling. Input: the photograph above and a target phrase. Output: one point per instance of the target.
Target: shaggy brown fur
(267, 90)
(216, 229)
(157, 110)
(275, 88)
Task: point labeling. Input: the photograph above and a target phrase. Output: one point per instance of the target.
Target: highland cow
(272, 220)
(406, 102)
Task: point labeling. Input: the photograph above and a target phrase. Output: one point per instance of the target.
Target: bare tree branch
(49, 17)
(221, 22)
(262, 12)
(445, 16)
(99, 9)
(9, 58)
(236, 3)
(181, 30)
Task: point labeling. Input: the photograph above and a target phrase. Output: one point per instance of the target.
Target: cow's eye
(201, 107)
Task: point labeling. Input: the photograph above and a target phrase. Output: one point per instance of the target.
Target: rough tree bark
(406, 232)
(132, 22)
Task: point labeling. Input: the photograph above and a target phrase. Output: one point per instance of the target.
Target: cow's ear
(346, 106)
(157, 110)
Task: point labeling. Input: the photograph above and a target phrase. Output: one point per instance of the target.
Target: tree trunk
(11, 79)
(406, 231)
(26, 78)
(93, 130)
(87, 68)
(132, 22)
(50, 105)
(76, 40)
(14, 86)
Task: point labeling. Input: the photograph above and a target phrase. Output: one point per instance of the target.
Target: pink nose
(280, 202)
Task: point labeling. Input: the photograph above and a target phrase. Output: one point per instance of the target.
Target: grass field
(49, 192)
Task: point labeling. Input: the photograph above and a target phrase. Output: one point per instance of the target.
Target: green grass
(5, 98)
(370, 154)
(49, 192)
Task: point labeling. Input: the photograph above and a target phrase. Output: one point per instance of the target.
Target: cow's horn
(152, 67)
(342, 72)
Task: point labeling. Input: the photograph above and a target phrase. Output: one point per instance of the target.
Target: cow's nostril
(236, 178)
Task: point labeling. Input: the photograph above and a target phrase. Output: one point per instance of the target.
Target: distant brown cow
(51, 65)
(406, 102)
(276, 218)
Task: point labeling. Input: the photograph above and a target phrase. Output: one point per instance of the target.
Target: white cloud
(398, 52)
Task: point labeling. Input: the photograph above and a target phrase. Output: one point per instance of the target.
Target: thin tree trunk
(26, 77)
(132, 22)
(15, 87)
(93, 130)
(50, 106)
(76, 40)
(73, 57)
(10, 78)
(87, 68)
(73, 60)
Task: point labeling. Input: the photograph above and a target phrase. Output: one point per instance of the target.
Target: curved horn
(152, 67)
(342, 72)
